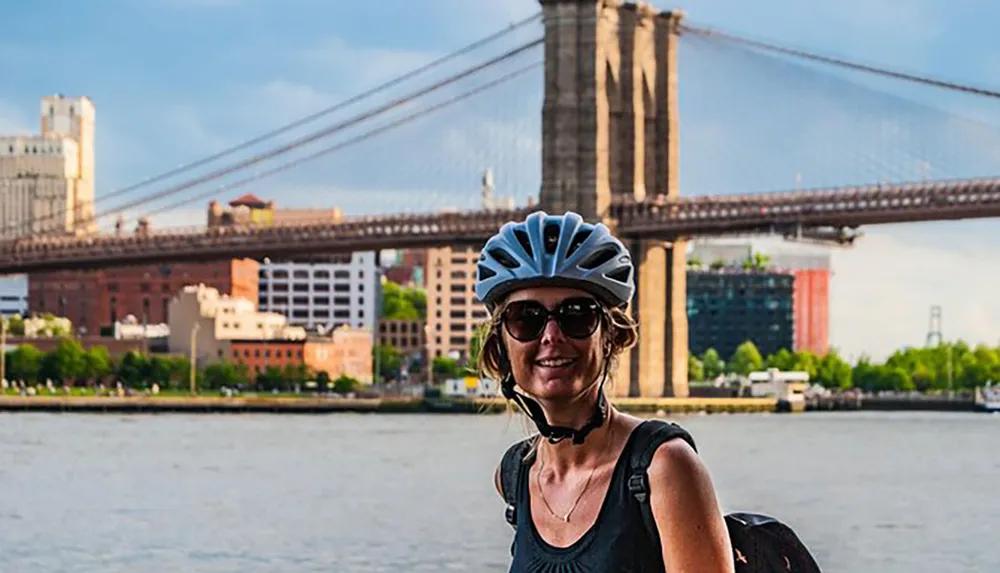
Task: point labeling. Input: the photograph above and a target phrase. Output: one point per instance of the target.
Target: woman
(557, 289)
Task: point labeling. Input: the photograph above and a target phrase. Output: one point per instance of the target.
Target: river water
(868, 492)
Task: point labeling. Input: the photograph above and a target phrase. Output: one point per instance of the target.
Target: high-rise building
(453, 311)
(324, 295)
(727, 307)
(96, 299)
(811, 300)
(47, 180)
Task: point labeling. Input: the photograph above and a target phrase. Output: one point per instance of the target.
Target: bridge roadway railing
(254, 240)
(839, 207)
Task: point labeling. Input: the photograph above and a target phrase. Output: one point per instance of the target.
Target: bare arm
(693, 533)
(496, 482)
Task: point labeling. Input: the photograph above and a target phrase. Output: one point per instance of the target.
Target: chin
(555, 388)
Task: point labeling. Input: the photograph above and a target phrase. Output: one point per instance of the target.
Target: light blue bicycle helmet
(556, 250)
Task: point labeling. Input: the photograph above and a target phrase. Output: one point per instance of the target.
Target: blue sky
(174, 80)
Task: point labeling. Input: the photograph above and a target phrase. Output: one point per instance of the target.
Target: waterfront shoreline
(321, 405)
(411, 405)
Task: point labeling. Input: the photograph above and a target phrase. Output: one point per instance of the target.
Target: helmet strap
(532, 409)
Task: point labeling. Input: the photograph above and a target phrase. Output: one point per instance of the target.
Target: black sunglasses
(577, 318)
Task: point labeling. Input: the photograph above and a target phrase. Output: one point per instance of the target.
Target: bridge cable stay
(326, 131)
(352, 141)
(840, 62)
(899, 136)
(307, 119)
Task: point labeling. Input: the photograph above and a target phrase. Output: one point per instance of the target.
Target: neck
(566, 455)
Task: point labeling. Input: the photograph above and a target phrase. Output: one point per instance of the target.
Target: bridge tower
(610, 128)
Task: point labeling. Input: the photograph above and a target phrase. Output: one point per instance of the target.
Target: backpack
(761, 544)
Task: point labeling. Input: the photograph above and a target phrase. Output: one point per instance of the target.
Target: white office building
(322, 295)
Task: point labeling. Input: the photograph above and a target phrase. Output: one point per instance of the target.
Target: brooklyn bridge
(610, 150)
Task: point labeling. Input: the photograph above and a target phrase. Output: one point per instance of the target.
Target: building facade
(47, 180)
(346, 352)
(727, 307)
(453, 311)
(406, 336)
(14, 295)
(225, 328)
(323, 295)
(97, 299)
(811, 299)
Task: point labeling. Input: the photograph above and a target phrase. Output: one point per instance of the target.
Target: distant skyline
(175, 80)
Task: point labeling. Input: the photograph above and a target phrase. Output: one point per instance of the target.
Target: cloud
(882, 289)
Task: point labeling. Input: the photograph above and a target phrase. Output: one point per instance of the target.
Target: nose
(552, 332)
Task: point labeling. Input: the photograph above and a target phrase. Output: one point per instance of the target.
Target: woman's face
(548, 362)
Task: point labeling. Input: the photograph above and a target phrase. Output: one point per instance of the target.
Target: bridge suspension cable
(839, 62)
(471, 47)
(325, 132)
(352, 141)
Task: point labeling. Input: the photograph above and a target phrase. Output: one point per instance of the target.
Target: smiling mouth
(555, 362)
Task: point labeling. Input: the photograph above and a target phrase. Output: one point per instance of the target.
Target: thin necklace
(538, 479)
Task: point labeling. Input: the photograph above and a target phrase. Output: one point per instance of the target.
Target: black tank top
(616, 543)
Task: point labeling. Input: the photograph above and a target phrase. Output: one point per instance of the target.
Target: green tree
(711, 363)
(344, 384)
(696, 371)
(323, 380)
(389, 360)
(446, 368)
(295, 374)
(757, 262)
(96, 363)
(271, 379)
(782, 360)
(396, 305)
(694, 263)
(746, 359)
(15, 325)
(475, 348)
(418, 300)
(131, 370)
(64, 363)
(833, 372)
(24, 363)
(717, 265)
(225, 374)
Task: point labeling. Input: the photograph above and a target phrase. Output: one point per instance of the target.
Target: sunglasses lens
(525, 320)
(578, 318)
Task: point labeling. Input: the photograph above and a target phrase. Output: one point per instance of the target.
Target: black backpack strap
(510, 472)
(648, 437)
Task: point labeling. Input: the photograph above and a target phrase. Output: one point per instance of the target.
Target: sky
(177, 80)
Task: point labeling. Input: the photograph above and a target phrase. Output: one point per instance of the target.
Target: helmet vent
(621, 275)
(522, 238)
(503, 258)
(551, 238)
(578, 240)
(483, 273)
(598, 258)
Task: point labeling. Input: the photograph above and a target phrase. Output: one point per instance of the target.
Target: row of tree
(955, 366)
(69, 363)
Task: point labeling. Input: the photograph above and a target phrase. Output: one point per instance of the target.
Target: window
(341, 274)
(341, 287)
(322, 274)
(300, 287)
(341, 300)
(300, 274)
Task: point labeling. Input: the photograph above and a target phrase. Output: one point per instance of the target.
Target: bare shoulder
(676, 464)
(693, 534)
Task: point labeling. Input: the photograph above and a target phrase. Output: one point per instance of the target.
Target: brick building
(94, 299)
(347, 351)
(406, 336)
